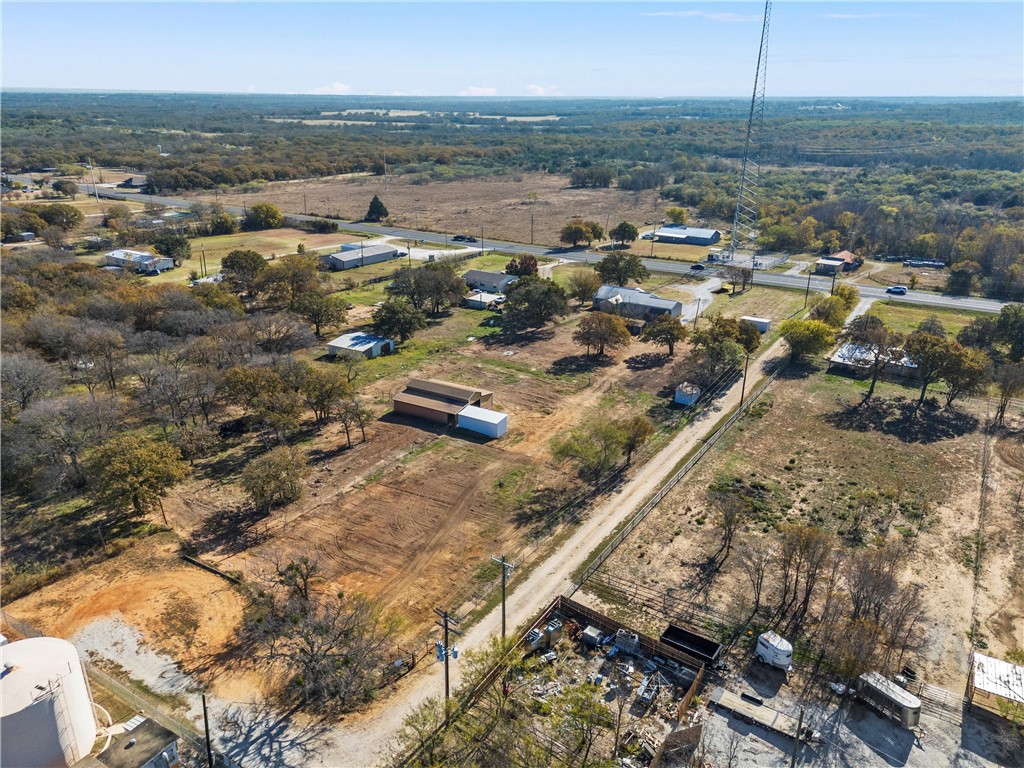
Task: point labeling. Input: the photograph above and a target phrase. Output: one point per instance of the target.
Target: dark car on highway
(697, 266)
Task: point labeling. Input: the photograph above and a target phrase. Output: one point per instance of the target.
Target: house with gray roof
(634, 303)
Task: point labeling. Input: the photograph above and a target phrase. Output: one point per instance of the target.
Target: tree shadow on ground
(704, 574)
(573, 364)
(539, 517)
(510, 338)
(794, 371)
(229, 531)
(261, 735)
(901, 418)
(646, 361)
(229, 463)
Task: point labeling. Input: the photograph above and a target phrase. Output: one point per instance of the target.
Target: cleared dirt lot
(507, 207)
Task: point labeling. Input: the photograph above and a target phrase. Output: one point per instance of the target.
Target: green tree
(600, 331)
(397, 318)
(848, 294)
(619, 268)
(636, 430)
(968, 372)
(676, 215)
(443, 286)
(531, 302)
(117, 216)
(262, 216)
(1010, 329)
(244, 384)
(61, 215)
(595, 231)
(173, 246)
(65, 187)
(275, 478)
(595, 446)
(134, 473)
(806, 337)
(931, 354)
(291, 276)
(830, 310)
(624, 232)
(882, 345)
(376, 211)
(242, 269)
(583, 284)
(320, 310)
(665, 331)
(324, 390)
(574, 233)
(962, 278)
(748, 336)
(223, 223)
(523, 265)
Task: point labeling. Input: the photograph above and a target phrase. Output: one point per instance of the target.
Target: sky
(515, 49)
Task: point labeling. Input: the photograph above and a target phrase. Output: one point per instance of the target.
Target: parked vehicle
(889, 699)
(774, 650)
(897, 290)
(647, 236)
(689, 642)
(749, 710)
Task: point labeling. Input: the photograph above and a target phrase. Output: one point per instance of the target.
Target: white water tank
(46, 714)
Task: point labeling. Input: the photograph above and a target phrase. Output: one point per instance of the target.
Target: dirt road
(365, 743)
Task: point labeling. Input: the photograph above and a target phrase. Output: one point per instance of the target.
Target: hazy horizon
(580, 50)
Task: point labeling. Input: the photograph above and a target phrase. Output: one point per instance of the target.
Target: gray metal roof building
(680, 233)
(354, 255)
(634, 303)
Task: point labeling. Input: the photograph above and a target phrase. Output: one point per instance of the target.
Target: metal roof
(485, 415)
(446, 389)
(150, 739)
(681, 230)
(431, 403)
(998, 677)
(633, 296)
(358, 342)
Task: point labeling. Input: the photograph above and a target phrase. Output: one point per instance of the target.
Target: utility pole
(303, 203)
(385, 169)
(481, 239)
(448, 624)
(531, 229)
(807, 293)
(92, 173)
(833, 291)
(796, 741)
(206, 729)
(743, 386)
(696, 315)
(506, 567)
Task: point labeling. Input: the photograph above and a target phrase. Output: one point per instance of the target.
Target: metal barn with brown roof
(438, 401)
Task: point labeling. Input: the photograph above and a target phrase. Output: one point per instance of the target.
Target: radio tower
(744, 225)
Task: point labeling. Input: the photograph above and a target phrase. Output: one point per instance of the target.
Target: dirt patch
(521, 208)
(178, 608)
(1011, 451)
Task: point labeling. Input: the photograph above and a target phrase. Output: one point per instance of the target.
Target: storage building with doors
(365, 344)
(438, 401)
(682, 234)
(483, 421)
(352, 255)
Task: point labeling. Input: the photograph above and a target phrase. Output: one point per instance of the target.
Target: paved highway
(818, 285)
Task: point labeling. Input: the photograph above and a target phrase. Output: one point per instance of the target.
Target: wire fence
(671, 483)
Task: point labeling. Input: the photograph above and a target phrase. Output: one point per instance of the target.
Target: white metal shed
(483, 420)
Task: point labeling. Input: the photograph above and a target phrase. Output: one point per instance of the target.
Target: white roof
(125, 253)
(484, 296)
(998, 677)
(775, 640)
(485, 415)
(33, 662)
(753, 319)
(360, 342)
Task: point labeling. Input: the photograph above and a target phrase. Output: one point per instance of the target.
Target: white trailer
(774, 650)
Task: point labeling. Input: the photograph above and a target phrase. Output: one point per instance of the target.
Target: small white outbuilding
(763, 324)
(366, 344)
(483, 421)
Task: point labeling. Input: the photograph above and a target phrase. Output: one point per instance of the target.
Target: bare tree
(1009, 380)
(25, 376)
(730, 511)
(756, 559)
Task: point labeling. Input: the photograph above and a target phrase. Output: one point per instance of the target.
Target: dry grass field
(505, 207)
(809, 457)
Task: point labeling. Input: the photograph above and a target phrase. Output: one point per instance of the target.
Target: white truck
(774, 650)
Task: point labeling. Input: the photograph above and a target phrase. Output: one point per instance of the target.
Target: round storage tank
(46, 715)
